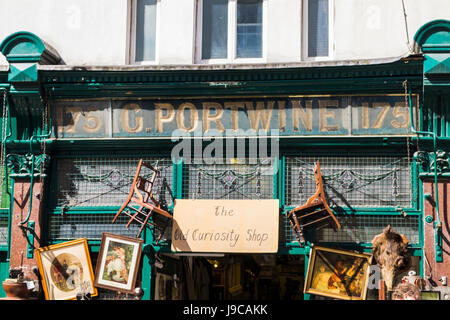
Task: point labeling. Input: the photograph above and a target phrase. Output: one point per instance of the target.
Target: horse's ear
(376, 239)
(404, 239)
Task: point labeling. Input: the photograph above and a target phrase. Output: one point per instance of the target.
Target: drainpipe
(38, 137)
(437, 223)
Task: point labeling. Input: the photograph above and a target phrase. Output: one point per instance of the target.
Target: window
(249, 29)
(144, 13)
(316, 35)
(229, 30)
(89, 191)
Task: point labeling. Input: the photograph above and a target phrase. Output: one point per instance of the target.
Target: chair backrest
(143, 184)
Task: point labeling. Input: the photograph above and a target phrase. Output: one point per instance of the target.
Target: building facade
(230, 100)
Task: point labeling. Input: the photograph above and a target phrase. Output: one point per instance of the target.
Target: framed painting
(338, 274)
(66, 270)
(118, 262)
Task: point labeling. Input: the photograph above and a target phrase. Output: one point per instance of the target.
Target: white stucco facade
(95, 33)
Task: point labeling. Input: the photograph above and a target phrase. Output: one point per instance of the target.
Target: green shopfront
(75, 135)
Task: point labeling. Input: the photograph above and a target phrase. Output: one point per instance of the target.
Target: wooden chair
(314, 212)
(141, 194)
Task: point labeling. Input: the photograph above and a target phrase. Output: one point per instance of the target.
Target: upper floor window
(316, 35)
(230, 29)
(144, 15)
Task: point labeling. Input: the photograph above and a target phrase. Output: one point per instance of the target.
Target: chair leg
(120, 211)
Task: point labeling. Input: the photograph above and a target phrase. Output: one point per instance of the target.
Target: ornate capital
(427, 163)
(25, 165)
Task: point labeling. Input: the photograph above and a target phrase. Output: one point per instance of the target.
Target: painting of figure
(337, 273)
(118, 262)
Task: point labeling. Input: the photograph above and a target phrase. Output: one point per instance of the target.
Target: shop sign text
(290, 116)
(225, 226)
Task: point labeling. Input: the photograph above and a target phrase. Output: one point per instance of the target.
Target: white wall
(284, 29)
(376, 28)
(83, 32)
(96, 32)
(176, 38)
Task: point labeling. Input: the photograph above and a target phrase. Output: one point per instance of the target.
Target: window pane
(214, 29)
(249, 29)
(145, 30)
(317, 28)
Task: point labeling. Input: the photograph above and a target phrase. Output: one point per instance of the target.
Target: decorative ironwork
(427, 163)
(358, 229)
(92, 182)
(21, 165)
(351, 181)
(236, 179)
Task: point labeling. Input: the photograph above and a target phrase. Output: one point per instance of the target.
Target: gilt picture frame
(338, 274)
(66, 270)
(118, 263)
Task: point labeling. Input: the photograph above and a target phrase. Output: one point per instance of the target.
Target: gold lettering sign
(284, 116)
(160, 118)
(227, 226)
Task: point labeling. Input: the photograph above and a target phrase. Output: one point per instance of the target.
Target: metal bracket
(438, 242)
(30, 235)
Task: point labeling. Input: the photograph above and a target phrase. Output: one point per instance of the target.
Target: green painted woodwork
(26, 165)
(436, 63)
(427, 163)
(22, 72)
(24, 50)
(4, 270)
(434, 36)
(24, 46)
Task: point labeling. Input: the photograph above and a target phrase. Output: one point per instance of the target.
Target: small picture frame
(338, 274)
(430, 295)
(66, 270)
(118, 263)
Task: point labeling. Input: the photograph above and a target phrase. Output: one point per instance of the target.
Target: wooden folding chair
(314, 212)
(142, 195)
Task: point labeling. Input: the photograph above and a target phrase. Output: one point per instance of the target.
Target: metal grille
(362, 229)
(351, 181)
(229, 179)
(3, 230)
(5, 194)
(100, 182)
(90, 182)
(90, 226)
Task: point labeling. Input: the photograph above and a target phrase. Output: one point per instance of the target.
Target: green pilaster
(147, 260)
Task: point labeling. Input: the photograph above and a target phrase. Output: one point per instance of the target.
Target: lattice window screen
(351, 181)
(3, 230)
(90, 182)
(362, 229)
(231, 179)
(95, 182)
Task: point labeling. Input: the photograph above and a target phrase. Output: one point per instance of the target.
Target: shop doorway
(234, 277)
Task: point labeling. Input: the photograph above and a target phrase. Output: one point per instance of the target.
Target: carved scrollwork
(427, 163)
(24, 164)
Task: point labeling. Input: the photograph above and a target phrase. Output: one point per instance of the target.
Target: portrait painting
(118, 262)
(66, 270)
(338, 274)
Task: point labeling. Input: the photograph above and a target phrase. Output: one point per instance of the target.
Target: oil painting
(66, 270)
(338, 274)
(118, 262)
